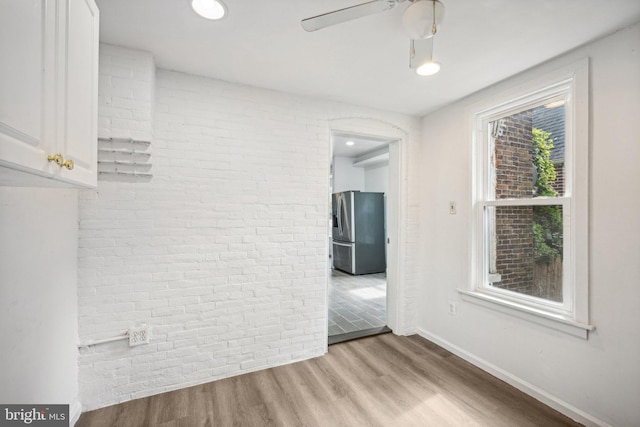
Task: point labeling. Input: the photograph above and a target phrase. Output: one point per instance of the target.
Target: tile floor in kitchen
(357, 302)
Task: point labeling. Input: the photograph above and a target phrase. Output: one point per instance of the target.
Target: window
(529, 250)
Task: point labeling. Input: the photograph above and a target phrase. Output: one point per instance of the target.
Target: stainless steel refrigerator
(358, 232)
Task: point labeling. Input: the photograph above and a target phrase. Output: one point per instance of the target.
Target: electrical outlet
(138, 335)
(453, 308)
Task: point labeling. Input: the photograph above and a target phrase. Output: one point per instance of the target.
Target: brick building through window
(520, 261)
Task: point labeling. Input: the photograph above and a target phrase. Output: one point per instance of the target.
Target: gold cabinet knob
(56, 158)
(68, 164)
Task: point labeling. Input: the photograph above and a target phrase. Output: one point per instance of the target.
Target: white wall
(346, 177)
(38, 297)
(376, 179)
(598, 380)
(223, 253)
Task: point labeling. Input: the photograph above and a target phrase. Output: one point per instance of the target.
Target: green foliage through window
(547, 220)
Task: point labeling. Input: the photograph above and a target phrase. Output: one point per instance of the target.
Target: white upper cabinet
(48, 91)
(79, 137)
(27, 92)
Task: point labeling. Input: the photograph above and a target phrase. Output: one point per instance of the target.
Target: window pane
(527, 153)
(525, 250)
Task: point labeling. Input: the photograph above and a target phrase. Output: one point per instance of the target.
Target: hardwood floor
(384, 380)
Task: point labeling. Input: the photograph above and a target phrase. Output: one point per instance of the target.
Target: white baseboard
(522, 385)
(407, 331)
(75, 410)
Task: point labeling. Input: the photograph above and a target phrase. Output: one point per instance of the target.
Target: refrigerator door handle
(343, 244)
(340, 214)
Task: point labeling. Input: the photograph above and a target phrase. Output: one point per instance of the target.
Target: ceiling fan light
(209, 9)
(419, 21)
(428, 68)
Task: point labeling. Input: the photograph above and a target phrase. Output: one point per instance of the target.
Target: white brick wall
(125, 93)
(224, 252)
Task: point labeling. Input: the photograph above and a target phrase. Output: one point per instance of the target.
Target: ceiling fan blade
(347, 14)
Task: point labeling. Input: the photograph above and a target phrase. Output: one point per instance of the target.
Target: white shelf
(124, 158)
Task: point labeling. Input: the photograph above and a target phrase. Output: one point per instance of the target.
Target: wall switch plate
(138, 335)
(453, 308)
(452, 208)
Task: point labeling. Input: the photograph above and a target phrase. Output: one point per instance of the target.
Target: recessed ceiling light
(209, 9)
(350, 143)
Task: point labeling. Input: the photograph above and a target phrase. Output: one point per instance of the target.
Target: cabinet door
(78, 132)
(27, 73)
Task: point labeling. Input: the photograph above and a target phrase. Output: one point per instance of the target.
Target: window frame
(571, 316)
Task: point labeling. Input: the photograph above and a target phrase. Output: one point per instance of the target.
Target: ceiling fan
(421, 20)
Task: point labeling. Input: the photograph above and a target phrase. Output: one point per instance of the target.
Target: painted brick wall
(224, 252)
(125, 93)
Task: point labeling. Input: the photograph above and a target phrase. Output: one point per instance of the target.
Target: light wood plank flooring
(356, 302)
(384, 380)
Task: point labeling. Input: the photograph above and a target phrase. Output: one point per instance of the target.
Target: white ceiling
(362, 144)
(363, 62)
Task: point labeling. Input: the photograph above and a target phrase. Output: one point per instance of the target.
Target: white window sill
(550, 320)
